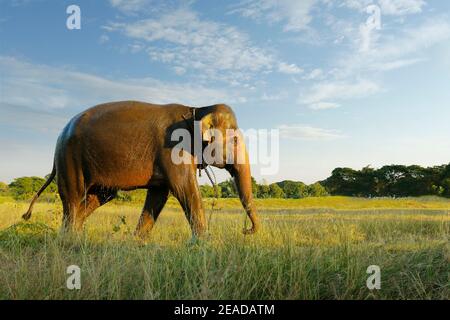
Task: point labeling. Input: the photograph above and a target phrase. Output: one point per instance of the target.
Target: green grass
(315, 248)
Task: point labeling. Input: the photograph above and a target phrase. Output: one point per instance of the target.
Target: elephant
(127, 145)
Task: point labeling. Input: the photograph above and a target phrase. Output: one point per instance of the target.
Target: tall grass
(299, 253)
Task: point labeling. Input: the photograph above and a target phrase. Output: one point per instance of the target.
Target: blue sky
(297, 66)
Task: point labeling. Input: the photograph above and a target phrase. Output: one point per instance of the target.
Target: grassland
(315, 248)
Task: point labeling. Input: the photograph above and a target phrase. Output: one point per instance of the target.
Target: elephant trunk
(242, 177)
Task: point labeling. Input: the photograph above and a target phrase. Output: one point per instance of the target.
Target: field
(314, 248)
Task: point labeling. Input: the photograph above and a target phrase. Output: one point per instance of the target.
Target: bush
(275, 191)
(3, 188)
(207, 191)
(317, 190)
(26, 187)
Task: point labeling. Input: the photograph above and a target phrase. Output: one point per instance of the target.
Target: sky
(344, 88)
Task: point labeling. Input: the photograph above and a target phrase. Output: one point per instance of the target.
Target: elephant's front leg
(184, 186)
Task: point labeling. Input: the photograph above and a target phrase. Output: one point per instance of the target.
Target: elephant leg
(70, 201)
(185, 188)
(154, 203)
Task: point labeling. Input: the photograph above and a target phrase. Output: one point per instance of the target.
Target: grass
(315, 248)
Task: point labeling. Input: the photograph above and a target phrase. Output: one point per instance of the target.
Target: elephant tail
(27, 215)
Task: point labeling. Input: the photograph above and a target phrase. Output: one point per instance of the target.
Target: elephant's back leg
(154, 203)
(94, 198)
(72, 186)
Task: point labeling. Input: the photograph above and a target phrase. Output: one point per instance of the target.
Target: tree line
(388, 181)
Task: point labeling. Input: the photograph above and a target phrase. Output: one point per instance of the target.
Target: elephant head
(225, 146)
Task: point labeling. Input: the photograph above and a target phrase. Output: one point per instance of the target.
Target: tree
(254, 188)
(263, 191)
(22, 188)
(207, 191)
(293, 189)
(275, 191)
(228, 189)
(289, 188)
(3, 188)
(317, 190)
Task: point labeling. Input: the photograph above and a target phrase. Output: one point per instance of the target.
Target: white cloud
(289, 68)
(324, 92)
(415, 39)
(388, 7)
(273, 97)
(396, 64)
(131, 6)
(401, 7)
(179, 70)
(398, 50)
(393, 51)
(305, 132)
(64, 90)
(314, 74)
(293, 14)
(356, 4)
(211, 49)
(323, 105)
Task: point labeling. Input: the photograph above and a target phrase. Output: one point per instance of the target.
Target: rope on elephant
(216, 193)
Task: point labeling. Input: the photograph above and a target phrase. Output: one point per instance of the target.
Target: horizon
(341, 93)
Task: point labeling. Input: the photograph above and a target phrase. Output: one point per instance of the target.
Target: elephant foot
(249, 231)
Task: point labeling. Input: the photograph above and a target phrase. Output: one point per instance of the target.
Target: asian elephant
(127, 145)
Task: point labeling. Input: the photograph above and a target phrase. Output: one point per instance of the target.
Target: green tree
(275, 191)
(317, 190)
(3, 188)
(228, 189)
(207, 191)
(254, 188)
(26, 187)
(293, 189)
(263, 191)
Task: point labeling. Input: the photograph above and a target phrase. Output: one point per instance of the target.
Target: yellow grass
(311, 248)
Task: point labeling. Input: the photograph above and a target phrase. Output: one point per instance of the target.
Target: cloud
(30, 119)
(293, 14)
(357, 74)
(415, 39)
(304, 132)
(210, 49)
(274, 97)
(131, 6)
(323, 105)
(314, 74)
(398, 50)
(320, 95)
(388, 7)
(401, 7)
(61, 90)
(289, 68)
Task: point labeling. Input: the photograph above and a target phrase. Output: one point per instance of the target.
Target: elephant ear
(207, 123)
